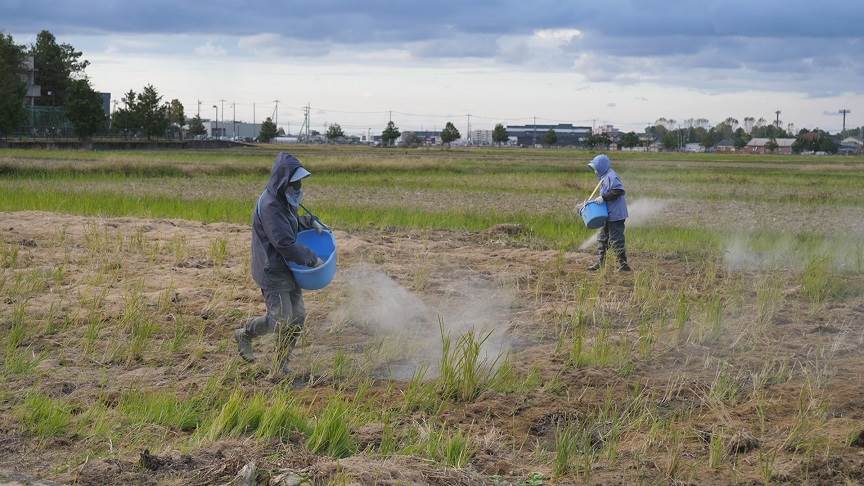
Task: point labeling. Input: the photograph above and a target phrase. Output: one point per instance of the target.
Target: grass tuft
(44, 416)
(330, 432)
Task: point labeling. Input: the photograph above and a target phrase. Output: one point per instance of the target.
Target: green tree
(410, 139)
(334, 132)
(550, 138)
(83, 108)
(771, 146)
(151, 113)
(176, 116)
(450, 134)
(196, 126)
(499, 134)
(709, 138)
(12, 88)
(125, 120)
(630, 140)
(390, 134)
(669, 140)
(740, 138)
(268, 131)
(56, 64)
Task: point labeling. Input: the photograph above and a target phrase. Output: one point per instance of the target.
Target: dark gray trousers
(285, 314)
(612, 235)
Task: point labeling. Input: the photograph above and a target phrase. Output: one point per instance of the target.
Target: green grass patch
(44, 416)
(329, 433)
(163, 408)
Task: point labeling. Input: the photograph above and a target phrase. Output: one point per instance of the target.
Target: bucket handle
(315, 218)
(589, 197)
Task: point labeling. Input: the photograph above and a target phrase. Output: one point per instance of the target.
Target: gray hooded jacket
(275, 225)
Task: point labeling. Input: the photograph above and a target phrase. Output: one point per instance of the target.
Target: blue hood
(280, 176)
(600, 164)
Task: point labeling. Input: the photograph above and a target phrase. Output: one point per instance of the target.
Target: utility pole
(253, 112)
(222, 110)
(233, 119)
(844, 112)
(199, 108)
(777, 121)
(534, 134)
(217, 120)
(276, 114)
(391, 116)
(469, 128)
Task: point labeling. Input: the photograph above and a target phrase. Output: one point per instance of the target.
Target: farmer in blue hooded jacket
(612, 233)
(275, 225)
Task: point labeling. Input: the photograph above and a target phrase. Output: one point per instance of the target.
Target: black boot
(244, 344)
(286, 340)
(596, 266)
(601, 258)
(622, 262)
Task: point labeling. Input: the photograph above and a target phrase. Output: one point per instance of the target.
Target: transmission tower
(844, 112)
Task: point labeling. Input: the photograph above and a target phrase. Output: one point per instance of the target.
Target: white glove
(317, 226)
(598, 200)
(319, 262)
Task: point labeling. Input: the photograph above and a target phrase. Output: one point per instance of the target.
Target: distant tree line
(59, 71)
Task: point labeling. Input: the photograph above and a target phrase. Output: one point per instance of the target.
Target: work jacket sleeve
(305, 222)
(612, 194)
(282, 236)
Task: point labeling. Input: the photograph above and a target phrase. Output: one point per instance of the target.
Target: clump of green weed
(282, 417)
(219, 251)
(330, 432)
(420, 395)
(818, 282)
(575, 451)
(464, 372)
(239, 415)
(161, 407)
(44, 416)
(8, 255)
(451, 447)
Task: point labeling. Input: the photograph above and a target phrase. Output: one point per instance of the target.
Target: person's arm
(278, 229)
(612, 194)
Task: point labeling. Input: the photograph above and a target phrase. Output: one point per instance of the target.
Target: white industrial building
(231, 130)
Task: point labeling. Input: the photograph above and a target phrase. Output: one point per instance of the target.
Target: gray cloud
(710, 45)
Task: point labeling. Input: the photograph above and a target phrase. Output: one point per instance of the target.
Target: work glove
(317, 226)
(318, 262)
(598, 200)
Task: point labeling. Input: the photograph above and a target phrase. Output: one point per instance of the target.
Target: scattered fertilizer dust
(409, 327)
(753, 252)
(641, 212)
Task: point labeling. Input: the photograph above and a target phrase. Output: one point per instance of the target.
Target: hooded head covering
(286, 169)
(600, 164)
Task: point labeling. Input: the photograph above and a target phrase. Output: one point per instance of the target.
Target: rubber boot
(596, 266)
(244, 344)
(601, 260)
(285, 345)
(622, 262)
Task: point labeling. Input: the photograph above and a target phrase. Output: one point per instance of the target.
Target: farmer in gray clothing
(275, 225)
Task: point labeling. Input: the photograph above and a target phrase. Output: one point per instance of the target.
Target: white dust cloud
(401, 319)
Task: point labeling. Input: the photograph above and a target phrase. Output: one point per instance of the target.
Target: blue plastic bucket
(323, 245)
(594, 214)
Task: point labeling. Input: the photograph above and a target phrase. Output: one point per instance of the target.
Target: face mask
(294, 197)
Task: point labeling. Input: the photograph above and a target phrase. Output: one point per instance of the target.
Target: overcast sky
(621, 62)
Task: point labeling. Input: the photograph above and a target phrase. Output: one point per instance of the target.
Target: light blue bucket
(323, 245)
(594, 214)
